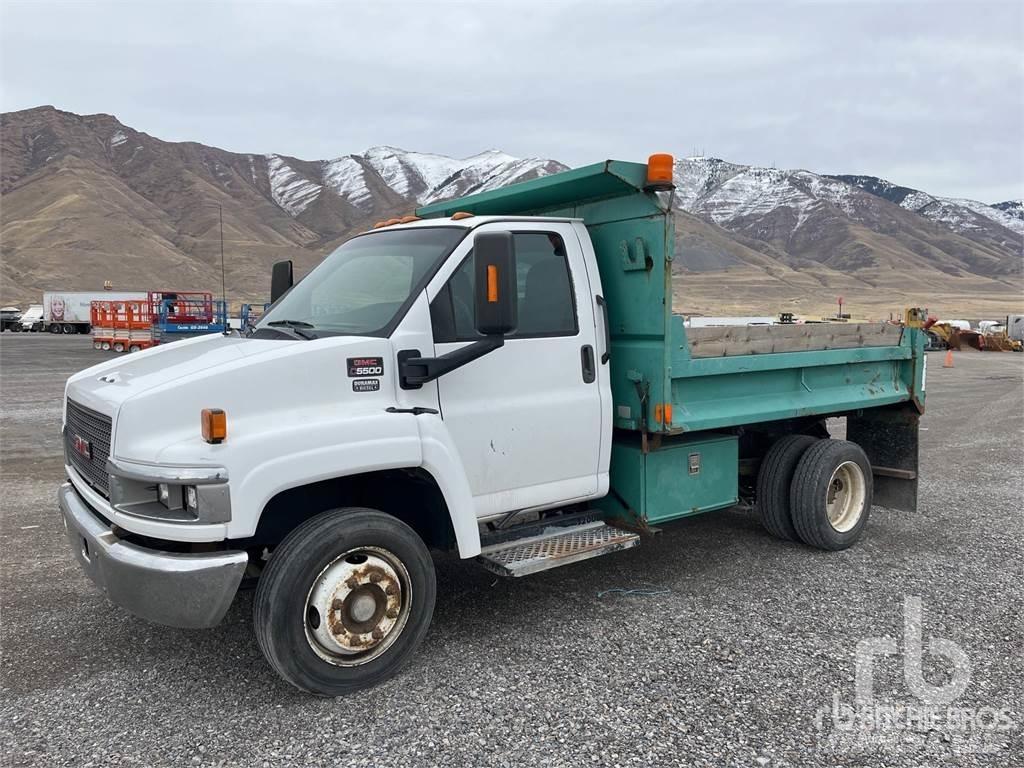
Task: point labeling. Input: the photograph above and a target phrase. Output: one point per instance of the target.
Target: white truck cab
(315, 415)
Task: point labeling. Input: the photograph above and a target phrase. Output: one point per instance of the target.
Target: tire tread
(773, 484)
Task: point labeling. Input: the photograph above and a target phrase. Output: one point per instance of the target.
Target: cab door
(526, 418)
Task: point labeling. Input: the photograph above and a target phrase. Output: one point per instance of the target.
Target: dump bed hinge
(556, 546)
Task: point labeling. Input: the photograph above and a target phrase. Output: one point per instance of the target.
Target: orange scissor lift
(123, 326)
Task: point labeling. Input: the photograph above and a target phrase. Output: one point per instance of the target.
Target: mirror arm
(415, 371)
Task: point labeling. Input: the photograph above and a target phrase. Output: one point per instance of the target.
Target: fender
(304, 454)
(377, 442)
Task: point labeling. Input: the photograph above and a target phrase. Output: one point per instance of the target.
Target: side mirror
(280, 280)
(494, 268)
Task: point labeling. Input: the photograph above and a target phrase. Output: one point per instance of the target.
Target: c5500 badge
(360, 367)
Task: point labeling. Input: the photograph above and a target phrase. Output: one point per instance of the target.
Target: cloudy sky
(927, 94)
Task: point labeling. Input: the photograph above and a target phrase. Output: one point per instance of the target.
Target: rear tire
(118, 346)
(371, 574)
(68, 328)
(54, 327)
(831, 494)
(134, 348)
(773, 484)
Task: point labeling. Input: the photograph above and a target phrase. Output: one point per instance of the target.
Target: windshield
(361, 287)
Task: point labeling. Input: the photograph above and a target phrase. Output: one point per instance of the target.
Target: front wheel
(344, 601)
(831, 494)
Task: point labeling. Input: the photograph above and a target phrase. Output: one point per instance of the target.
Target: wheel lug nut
(377, 634)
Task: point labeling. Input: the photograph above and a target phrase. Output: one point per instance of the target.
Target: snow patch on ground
(288, 188)
(118, 139)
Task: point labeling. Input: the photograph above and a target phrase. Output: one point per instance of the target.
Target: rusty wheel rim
(357, 606)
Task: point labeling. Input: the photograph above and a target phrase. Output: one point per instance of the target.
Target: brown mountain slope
(85, 199)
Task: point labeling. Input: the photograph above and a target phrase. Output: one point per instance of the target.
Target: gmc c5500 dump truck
(502, 376)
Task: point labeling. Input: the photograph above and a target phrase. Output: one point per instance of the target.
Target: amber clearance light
(659, 172)
(215, 425)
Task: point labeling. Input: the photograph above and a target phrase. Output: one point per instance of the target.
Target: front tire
(344, 601)
(831, 494)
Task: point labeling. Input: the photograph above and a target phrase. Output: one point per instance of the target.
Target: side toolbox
(682, 476)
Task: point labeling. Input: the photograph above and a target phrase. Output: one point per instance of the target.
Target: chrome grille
(85, 424)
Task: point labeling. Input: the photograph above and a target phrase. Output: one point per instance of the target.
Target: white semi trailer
(69, 311)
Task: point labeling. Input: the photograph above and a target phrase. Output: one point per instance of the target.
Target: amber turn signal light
(659, 172)
(492, 284)
(461, 215)
(215, 425)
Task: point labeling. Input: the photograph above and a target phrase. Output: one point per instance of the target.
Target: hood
(155, 397)
(106, 386)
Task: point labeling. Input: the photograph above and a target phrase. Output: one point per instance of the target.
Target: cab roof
(469, 222)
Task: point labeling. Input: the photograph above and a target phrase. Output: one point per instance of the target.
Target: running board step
(554, 547)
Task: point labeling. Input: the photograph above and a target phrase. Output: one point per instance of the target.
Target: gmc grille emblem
(82, 446)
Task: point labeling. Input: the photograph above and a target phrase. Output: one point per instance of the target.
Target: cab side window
(547, 305)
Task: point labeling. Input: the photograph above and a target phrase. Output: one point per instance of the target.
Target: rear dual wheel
(831, 494)
(817, 491)
(344, 601)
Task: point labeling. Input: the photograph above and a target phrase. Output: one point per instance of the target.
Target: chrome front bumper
(179, 590)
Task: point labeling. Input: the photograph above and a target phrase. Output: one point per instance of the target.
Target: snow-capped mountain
(1014, 208)
(418, 177)
(849, 222)
(959, 214)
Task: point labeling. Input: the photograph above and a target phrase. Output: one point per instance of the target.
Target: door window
(547, 305)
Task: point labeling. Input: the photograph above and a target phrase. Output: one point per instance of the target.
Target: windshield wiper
(296, 326)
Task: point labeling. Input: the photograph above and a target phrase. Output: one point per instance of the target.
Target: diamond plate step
(554, 547)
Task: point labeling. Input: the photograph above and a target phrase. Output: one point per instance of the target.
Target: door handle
(607, 330)
(587, 359)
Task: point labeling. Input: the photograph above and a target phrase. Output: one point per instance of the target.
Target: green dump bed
(672, 380)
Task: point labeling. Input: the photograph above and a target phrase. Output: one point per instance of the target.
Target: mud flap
(889, 437)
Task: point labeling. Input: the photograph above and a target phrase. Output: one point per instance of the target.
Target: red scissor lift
(128, 326)
(122, 325)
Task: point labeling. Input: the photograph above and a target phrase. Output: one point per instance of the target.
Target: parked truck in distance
(501, 376)
(10, 319)
(32, 319)
(69, 311)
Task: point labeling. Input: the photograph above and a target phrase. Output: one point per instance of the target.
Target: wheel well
(411, 495)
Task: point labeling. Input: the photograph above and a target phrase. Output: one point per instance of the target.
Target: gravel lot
(729, 663)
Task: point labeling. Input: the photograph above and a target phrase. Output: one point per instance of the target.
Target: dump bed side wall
(658, 383)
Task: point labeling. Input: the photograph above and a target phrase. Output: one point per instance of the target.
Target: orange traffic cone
(948, 363)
